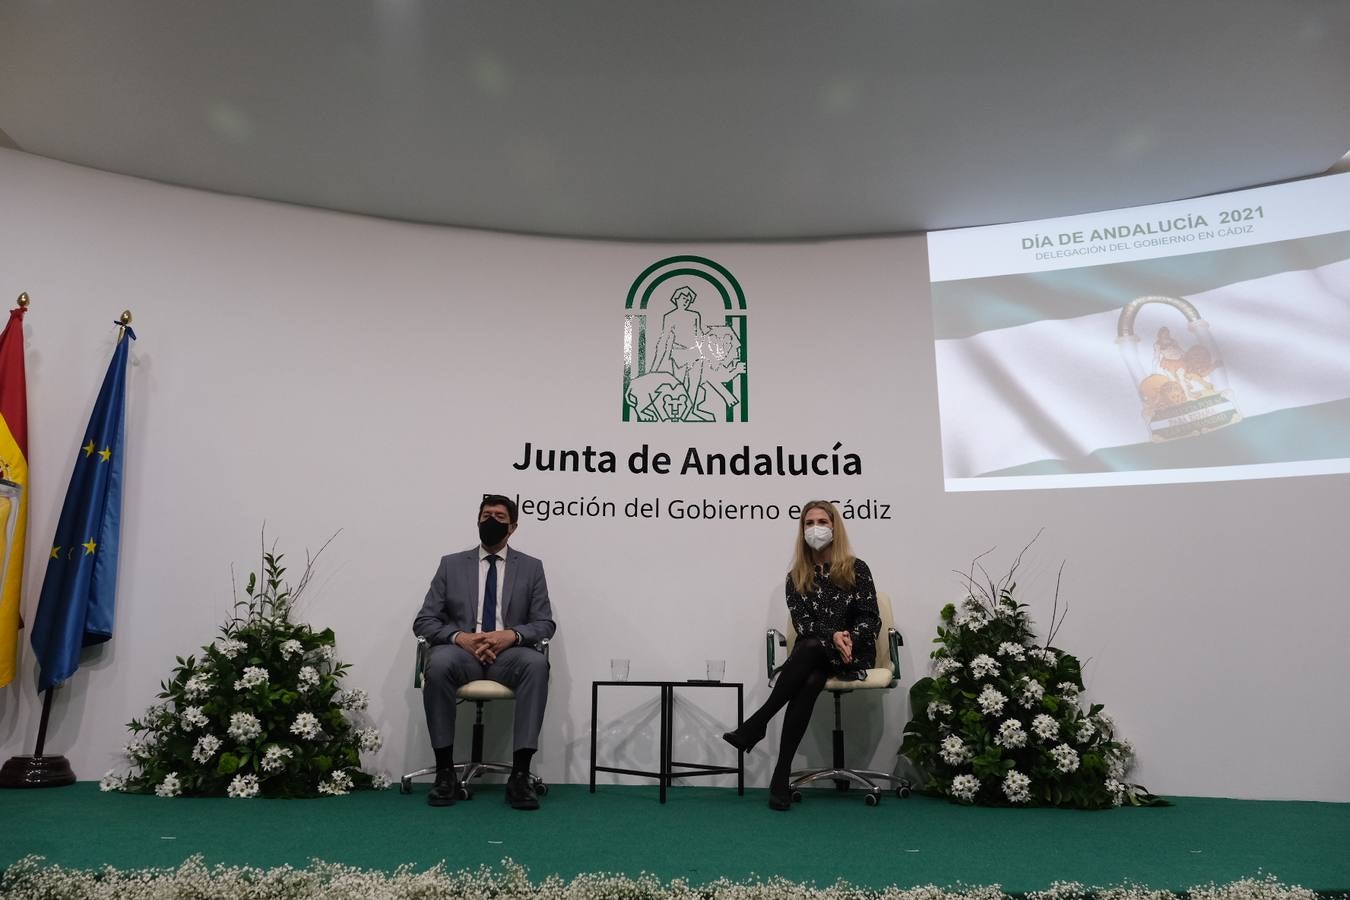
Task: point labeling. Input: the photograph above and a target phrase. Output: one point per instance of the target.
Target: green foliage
(258, 712)
(1005, 712)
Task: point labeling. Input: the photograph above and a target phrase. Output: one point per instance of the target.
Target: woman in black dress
(833, 604)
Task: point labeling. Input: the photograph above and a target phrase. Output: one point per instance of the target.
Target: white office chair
(476, 692)
(884, 677)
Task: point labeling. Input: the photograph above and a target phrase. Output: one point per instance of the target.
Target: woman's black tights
(799, 683)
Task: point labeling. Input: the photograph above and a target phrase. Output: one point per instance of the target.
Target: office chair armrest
(896, 642)
(773, 639)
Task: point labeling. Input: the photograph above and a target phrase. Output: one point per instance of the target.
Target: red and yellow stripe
(14, 466)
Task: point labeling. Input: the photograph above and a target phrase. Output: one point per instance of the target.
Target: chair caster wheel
(796, 796)
(540, 788)
(405, 785)
(465, 792)
(871, 799)
(902, 792)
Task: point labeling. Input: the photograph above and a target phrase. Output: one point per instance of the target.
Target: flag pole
(42, 723)
(38, 770)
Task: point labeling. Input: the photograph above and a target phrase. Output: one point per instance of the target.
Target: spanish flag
(13, 467)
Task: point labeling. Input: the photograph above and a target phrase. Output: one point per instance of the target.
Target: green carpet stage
(701, 834)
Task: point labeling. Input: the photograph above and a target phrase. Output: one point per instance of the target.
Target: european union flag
(76, 606)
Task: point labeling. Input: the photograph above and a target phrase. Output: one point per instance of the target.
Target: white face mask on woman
(818, 537)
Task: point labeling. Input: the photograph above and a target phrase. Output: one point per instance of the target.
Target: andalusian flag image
(1199, 340)
(13, 467)
(80, 589)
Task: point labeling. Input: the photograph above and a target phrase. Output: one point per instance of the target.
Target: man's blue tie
(490, 595)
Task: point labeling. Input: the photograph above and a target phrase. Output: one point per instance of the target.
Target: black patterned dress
(828, 608)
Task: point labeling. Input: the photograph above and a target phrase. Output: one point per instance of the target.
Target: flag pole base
(36, 772)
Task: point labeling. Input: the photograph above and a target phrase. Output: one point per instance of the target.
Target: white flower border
(30, 879)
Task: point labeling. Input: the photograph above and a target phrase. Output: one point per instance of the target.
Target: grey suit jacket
(451, 603)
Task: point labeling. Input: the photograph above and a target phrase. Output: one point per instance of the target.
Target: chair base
(872, 783)
(843, 777)
(467, 773)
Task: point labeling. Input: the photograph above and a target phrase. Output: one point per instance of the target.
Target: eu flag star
(89, 546)
(105, 454)
(88, 449)
(56, 553)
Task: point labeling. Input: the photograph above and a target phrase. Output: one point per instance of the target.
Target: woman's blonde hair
(841, 560)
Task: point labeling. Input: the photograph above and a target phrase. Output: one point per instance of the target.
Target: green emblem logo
(684, 344)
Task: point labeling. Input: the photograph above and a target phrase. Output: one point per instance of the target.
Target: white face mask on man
(818, 537)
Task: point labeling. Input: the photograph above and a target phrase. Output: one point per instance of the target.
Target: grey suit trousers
(522, 669)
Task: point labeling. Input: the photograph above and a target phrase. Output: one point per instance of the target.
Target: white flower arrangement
(170, 786)
(244, 726)
(252, 714)
(307, 680)
(111, 781)
(338, 784)
(1045, 727)
(254, 676)
(229, 647)
(275, 757)
(197, 686)
(945, 666)
(369, 739)
(973, 621)
(138, 748)
(380, 781)
(1016, 787)
(991, 701)
(193, 718)
(31, 877)
(1065, 757)
(1031, 694)
(205, 748)
(1018, 727)
(1116, 790)
(983, 666)
(306, 726)
(243, 787)
(954, 751)
(965, 787)
(1011, 735)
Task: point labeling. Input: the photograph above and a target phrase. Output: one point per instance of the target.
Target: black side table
(667, 765)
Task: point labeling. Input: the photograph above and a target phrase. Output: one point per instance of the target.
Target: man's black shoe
(446, 789)
(520, 793)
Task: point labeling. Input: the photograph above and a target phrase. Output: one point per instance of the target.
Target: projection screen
(1200, 340)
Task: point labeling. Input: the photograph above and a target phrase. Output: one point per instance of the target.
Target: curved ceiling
(691, 120)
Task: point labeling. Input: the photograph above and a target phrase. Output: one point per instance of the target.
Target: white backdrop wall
(319, 372)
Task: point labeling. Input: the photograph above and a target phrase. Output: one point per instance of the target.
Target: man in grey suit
(483, 616)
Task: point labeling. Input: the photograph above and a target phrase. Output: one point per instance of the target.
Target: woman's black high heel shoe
(742, 742)
(780, 800)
